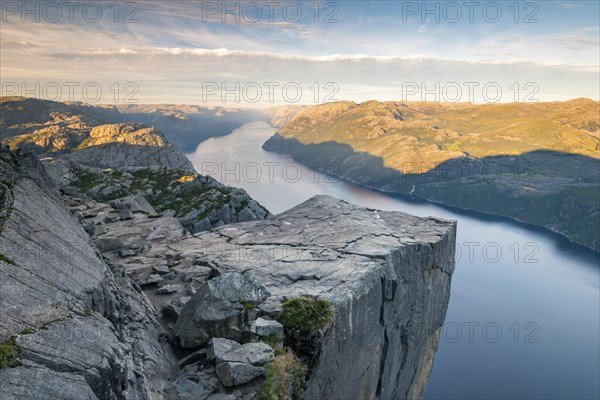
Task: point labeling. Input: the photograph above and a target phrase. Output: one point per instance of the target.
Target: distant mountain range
(537, 163)
(48, 126)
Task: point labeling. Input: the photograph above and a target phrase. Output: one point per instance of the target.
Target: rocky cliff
(387, 275)
(109, 315)
(72, 325)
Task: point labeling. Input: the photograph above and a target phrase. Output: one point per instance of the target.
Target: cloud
(568, 6)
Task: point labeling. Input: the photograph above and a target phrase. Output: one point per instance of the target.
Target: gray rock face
(266, 327)
(133, 204)
(215, 310)
(217, 347)
(387, 274)
(108, 243)
(249, 353)
(234, 373)
(93, 335)
(126, 214)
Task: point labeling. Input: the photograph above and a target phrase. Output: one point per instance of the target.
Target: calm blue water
(524, 315)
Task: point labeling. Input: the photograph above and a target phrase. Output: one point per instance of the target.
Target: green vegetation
(284, 378)
(87, 180)
(171, 189)
(275, 341)
(306, 314)
(9, 353)
(248, 305)
(27, 331)
(6, 259)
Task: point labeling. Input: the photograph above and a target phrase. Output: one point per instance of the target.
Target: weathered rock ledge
(387, 273)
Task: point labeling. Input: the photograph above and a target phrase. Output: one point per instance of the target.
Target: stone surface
(126, 214)
(108, 243)
(167, 289)
(266, 327)
(215, 310)
(234, 374)
(161, 269)
(250, 353)
(93, 335)
(112, 217)
(218, 347)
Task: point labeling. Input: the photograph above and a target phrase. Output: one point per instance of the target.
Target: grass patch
(6, 259)
(306, 314)
(284, 378)
(248, 305)
(9, 352)
(27, 331)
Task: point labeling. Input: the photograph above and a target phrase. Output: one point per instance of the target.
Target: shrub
(9, 351)
(306, 315)
(284, 378)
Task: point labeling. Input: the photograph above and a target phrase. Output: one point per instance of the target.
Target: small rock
(161, 269)
(89, 214)
(152, 280)
(126, 214)
(171, 275)
(112, 217)
(168, 289)
(108, 244)
(70, 190)
(192, 358)
(172, 312)
(183, 300)
(266, 327)
(234, 374)
(126, 252)
(157, 234)
(218, 347)
(95, 230)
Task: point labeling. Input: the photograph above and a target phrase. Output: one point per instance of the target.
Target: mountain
(186, 125)
(537, 163)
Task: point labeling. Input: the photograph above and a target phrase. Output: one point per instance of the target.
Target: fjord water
(524, 314)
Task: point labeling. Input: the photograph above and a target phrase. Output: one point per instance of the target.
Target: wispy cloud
(568, 6)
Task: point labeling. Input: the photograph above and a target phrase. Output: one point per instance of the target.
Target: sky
(264, 53)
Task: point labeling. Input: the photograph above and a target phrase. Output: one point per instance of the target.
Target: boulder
(161, 269)
(126, 214)
(218, 347)
(95, 230)
(250, 353)
(152, 280)
(234, 374)
(216, 309)
(266, 327)
(108, 244)
(112, 217)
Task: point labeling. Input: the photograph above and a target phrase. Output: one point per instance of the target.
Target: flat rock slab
(250, 353)
(234, 374)
(266, 327)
